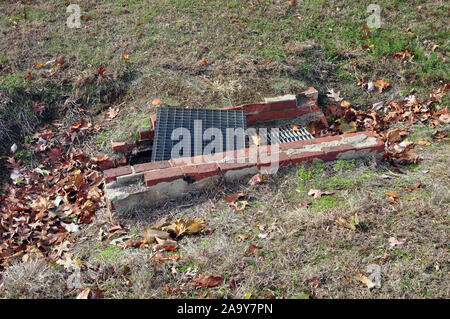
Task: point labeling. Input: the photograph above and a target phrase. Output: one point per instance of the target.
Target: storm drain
(285, 134)
(196, 122)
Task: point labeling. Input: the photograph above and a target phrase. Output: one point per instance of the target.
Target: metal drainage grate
(286, 134)
(168, 119)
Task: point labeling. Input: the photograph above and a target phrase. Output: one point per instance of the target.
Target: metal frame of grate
(170, 118)
(286, 134)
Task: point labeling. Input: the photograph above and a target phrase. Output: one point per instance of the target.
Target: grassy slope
(253, 49)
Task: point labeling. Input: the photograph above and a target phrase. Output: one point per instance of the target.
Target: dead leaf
(314, 282)
(393, 195)
(84, 294)
(125, 56)
(150, 235)
(206, 281)
(303, 205)
(438, 134)
(256, 139)
(369, 283)
(318, 193)
(180, 227)
(424, 142)
(241, 237)
(334, 95)
(382, 84)
(112, 113)
(413, 187)
(257, 179)
(396, 242)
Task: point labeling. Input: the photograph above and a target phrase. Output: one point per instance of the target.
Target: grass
(224, 53)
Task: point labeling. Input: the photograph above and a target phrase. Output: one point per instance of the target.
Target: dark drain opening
(141, 157)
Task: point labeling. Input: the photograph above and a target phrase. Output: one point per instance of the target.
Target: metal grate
(168, 119)
(286, 134)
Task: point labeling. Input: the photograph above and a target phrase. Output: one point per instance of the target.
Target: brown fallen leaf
(413, 187)
(303, 205)
(84, 294)
(252, 250)
(382, 84)
(314, 282)
(132, 243)
(369, 283)
(393, 195)
(150, 235)
(318, 193)
(334, 95)
(424, 142)
(164, 221)
(256, 139)
(438, 134)
(206, 281)
(180, 227)
(257, 179)
(112, 113)
(231, 198)
(241, 237)
(396, 242)
(341, 221)
(125, 56)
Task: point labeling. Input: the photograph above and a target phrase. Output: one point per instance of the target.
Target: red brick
(252, 118)
(281, 159)
(267, 116)
(294, 145)
(162, 175)
(123, 161)
(225, 167)
(310, 92)
(235, 108)
(367, 133)
(305, 157)
(292, 113)
(150, 166)
(315, 108)
(379, 147)
(320, 140)
(324, 121)
(120, 147)
(182, 161)
(106, 164)
(331, 153)
(111, 174)
(256, 108)
(304, 110)
(201, 171)
(282, 105)
(146, 135)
